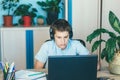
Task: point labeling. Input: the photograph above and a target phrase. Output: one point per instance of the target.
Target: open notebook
(82, 67)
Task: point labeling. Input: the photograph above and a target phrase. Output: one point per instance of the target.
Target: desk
(102, 73)
(108, 75)
(105, 73)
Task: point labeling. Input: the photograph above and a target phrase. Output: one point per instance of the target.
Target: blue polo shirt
(50, 48)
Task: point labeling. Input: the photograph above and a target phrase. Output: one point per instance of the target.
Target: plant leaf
(110, 48)
(111, 34)
(103, 53)
(111, 43)
(96, 44)
(118, 41)
(114, 21)
(96, 33)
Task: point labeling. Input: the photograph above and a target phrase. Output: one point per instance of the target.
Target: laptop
(72, 67)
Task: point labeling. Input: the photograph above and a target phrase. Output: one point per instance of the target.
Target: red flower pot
(26, 21)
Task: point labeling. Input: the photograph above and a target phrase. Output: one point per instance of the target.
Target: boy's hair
(60, 25)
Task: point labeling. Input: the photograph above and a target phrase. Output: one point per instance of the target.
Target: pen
(5, 69)
(7, 65)
(11, 67)
(8, 76)
(12, 75)
(36, 74)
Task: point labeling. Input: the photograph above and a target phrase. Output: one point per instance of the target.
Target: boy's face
(61, 38)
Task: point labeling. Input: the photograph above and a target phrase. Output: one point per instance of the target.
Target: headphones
(52, 32)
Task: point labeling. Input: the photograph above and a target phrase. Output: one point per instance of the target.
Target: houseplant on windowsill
(27, 13)
(111, 49)
(9, 6)
(52, 8)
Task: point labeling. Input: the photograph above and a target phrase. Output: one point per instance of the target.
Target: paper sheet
(29, 75)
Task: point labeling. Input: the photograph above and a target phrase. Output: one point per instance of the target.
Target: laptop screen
(82, 67)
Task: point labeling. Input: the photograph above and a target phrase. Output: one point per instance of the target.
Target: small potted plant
(9, 7)
(27, 13)
(52, 8)
(40, 20)
(111, 48)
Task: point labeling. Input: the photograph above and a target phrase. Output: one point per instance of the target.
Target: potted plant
(40, 20)
(28, 14)
(52, 8)
(111, 49)
(9, 6)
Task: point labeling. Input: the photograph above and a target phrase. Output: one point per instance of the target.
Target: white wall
(85, 17)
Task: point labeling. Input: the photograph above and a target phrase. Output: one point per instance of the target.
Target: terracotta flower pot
(8, 20)
(26, 21)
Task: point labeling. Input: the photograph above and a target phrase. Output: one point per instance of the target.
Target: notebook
(82, 67)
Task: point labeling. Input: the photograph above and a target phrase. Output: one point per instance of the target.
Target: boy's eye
(59, 37)
(66, 37)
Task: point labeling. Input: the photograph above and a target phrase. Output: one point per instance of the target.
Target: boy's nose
(63, 40)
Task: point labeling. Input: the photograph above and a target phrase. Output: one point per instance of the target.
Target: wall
(85, 18)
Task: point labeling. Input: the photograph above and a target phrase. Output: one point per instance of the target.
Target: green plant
(52, 8)
(40, 16)
(50, 5)
(9, 5)
(112, 44)
(26, 10)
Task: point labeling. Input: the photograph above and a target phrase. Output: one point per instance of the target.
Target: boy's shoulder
(74, 41)
(49, 42)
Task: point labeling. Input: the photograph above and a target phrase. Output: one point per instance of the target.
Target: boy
(61, 43)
